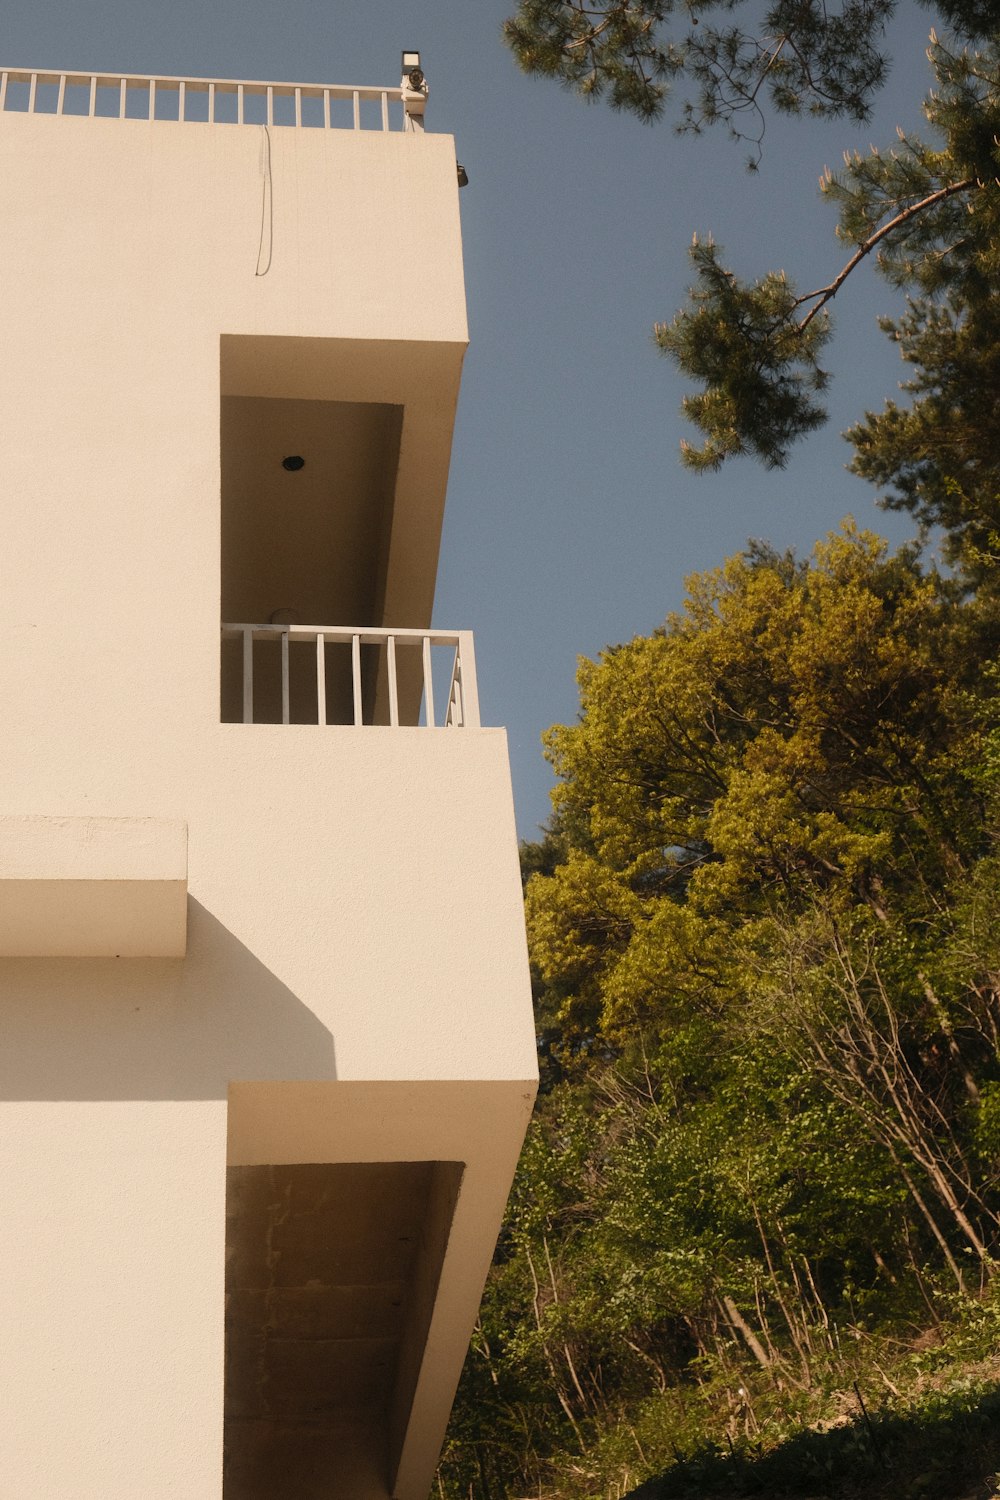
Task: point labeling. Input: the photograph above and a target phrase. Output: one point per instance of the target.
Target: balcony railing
(318, 674)
(215, 101)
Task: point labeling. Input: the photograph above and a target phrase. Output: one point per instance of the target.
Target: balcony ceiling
(313, 541)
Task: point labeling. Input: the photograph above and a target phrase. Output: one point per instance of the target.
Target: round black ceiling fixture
(293, 463)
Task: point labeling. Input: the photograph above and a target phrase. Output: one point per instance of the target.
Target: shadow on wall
(155, 1028)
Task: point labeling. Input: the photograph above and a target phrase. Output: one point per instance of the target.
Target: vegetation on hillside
(766, 1157)
(752, 1247)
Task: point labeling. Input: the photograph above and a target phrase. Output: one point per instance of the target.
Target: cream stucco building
(266, 1052)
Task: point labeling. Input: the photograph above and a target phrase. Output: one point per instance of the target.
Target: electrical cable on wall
(266, 206)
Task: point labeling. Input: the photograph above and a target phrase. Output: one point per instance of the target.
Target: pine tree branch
(592, 34)
(608, 16)
(827, 293)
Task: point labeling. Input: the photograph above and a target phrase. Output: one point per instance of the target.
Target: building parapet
(213, 101)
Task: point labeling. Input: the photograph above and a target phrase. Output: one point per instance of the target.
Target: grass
(942, 1446)
(888, 1420)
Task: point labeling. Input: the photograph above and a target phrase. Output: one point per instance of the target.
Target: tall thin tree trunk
(557, 1384)
(752, 1341)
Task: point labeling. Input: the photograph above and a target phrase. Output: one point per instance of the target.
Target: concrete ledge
(93, 888)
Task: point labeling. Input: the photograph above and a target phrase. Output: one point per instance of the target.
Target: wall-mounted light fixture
(413, 85)
(411, 64)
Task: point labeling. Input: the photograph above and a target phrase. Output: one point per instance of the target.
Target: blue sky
(570, 523)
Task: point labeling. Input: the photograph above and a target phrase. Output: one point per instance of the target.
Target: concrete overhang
(92, 887)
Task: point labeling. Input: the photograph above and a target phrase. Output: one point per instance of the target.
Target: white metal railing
(226, 100)
(383, 684)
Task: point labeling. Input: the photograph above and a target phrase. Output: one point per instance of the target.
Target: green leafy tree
(762, 920)
(761, 931)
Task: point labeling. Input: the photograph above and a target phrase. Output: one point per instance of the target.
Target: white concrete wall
(354, 913)
(112, 1240)
(355, 904)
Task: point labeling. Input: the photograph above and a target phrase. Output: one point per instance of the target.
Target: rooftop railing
(215, 101)
(324, 674)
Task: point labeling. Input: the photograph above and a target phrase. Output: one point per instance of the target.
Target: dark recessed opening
(328, 1309)
(293, 463)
